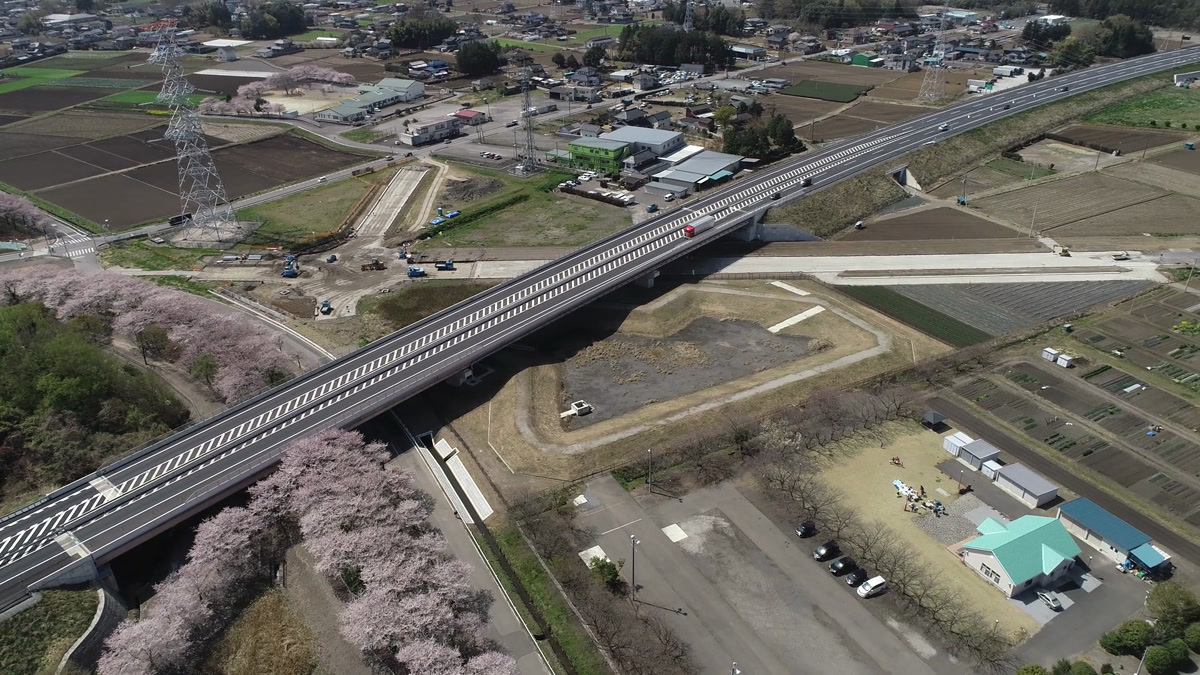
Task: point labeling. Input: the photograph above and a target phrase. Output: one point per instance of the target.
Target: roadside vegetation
(1022, 170)
(34, 641)
(267, 637)
(1169, 107)
(829, 211)
(365, 135)
(306, 215)
(68, 406)
(920, 316)
(142, 255)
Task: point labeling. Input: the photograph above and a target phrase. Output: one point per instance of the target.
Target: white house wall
(976, 561)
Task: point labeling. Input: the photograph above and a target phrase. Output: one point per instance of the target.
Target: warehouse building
(372, 98)
(1026, 485)
(1116, 539)
(599, 154)
(430, 132)
(975, 453)
(700, 170)
(659, 141)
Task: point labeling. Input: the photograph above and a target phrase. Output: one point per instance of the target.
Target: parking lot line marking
(788, 287)
(675, 533)
(593, 552)
(620, 526)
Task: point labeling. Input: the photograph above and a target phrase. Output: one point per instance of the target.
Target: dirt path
(435, 188)
(309, 593)
(202, 403)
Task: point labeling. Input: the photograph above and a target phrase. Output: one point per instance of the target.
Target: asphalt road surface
(102, 515)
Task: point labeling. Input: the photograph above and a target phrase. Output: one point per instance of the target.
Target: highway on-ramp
(99, 516)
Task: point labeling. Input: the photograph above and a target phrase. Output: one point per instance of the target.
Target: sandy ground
(865, 480)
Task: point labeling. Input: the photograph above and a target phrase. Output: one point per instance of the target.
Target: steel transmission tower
(201, 192)
(687, 15)
(933, 86)
(530, 164)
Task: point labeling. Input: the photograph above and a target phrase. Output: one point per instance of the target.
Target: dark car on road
(842, 566)
(826, 551)
(806, 529)
(855, 578)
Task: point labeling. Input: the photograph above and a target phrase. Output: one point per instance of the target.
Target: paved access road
(102, 515)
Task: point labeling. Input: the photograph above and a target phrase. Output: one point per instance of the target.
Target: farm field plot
(980, 179)
(920, 316)
(221, 85)
(839, 126)
(10, 119)
(1158, 175)
(829, 72)
(90, 125)
(1151, 399)
(45, 170)
(116, 197)
(1169, 104)
(1000, 309)
(46, 99)
(18, 145)
(287, 157)
(931, 224)
(826, 91)
(800, 110)
(136, 149)
(100, 158)
(908, 85)
(1168, 215)
(1184, 160)
(890, 113)
(1118, 138)
(1066, 201)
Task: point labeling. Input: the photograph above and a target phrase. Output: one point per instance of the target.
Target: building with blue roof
(1029, 552)
(1114, 538)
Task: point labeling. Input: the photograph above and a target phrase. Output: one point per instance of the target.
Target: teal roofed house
(1029, 552)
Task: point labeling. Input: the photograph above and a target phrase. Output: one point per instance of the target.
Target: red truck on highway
(699, 225)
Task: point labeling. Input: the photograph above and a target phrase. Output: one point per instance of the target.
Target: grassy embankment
(142, 255)
(34, 641)
(289, 221)
(1169, 107)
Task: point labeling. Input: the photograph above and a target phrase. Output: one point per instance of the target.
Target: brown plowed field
(45, 170)
(980, 179)
(286, 158)
(800, 110)
(1169, 215)
(222, 84)
(830, 72)
(90, 125)
(138, 150)
(45, 99)
(9, 119)
(1157, 175)
(1184, 160)
(119, 198)
(890, 113)
(102, 159)
(840, 126)
(933, 224)
(908, 86)
(240, 181)
(1066, 201)
(19, 145)
(1121, 138)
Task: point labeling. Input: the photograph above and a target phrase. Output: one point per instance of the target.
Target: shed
(955, 442)
(1050, 354)
(1101, 530)
(1026, 485)
(975, 453)
(991, 468)
(1065, 360)
(932, 419)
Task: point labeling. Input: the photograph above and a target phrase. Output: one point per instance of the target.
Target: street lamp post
(734, 670)
(1141, 661)
(649, 469)
(633, 544)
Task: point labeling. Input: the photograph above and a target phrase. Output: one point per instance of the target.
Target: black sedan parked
(827, 551)
(806, 529)
(842, 566)
(856, 577)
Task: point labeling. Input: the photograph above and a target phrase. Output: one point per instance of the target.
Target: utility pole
(633, 544)
(649, 469)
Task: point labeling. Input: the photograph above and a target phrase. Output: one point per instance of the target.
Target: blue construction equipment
(447, 266)
(292, 269)
(331, 259)
(414, 272)
(326, 307)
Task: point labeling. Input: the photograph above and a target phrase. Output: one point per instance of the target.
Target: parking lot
(738, 588)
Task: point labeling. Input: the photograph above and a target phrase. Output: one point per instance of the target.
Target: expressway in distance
(98, 517)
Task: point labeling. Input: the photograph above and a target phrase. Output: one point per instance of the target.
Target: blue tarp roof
(1114, 530)
(1147, 556)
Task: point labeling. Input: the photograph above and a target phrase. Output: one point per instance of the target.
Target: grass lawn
(314, 34)
(531, 46)
(827, 91)
(291, 220)
(1169, 104)
(136, 97)
(579, 648)
(143, 255)
(1019, 169)
(186, 284)
(410, 303)
(30, 76)
(589, 33)
(922, 317)
(35, 640)
(365, 135)
(528, 214)
(267, 637)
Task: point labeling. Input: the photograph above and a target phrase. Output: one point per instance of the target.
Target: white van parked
(871, 587)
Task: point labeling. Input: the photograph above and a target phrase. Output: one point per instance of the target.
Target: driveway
(738, 589)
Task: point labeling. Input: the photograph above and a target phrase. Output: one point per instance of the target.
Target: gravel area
(955, 526)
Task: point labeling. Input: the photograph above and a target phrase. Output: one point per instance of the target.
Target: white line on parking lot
(620, 526)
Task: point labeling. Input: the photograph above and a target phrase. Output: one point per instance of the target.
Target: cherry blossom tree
(18, 214)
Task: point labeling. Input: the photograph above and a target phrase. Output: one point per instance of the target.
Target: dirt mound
(470, 189)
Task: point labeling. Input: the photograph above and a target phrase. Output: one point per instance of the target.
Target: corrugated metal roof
(1028, 479)
(1114, 530)
(641, 135)
(1026, 547)
(603, 143)
(980, 449)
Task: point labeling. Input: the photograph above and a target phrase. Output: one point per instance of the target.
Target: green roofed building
(599, 154)
(1029, 552)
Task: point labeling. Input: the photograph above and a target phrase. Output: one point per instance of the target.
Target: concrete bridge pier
(461, 377)
(751, 231)
(647, 281)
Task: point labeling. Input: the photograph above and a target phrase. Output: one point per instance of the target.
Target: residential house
(599, 154)
(471, 117)
(430, 132)
(645, 82)
(1027, 553)
(632, 116)
(587, 76)
(605, 41)
(779, 42)
(660, 119)
(346, 113)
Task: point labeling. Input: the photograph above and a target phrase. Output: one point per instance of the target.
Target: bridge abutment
(647, 281)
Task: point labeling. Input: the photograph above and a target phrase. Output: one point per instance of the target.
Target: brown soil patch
(840, 126)
(1169, 215)
(286, 157)
(470, 189)
(886, 112)
(224, 85)
(1184, 160)
(18, 145)
(9, 119)
(829, 72)
(1157, 175)
(45, 99)
(800, 110)
(44, 170)
(1125, 139)
(979, 179)
(95, 156)
(90, 125)
(1065, 201)
(908, 86)
(118, 198)
(136, 149)
(240, 181)
(932, 224)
